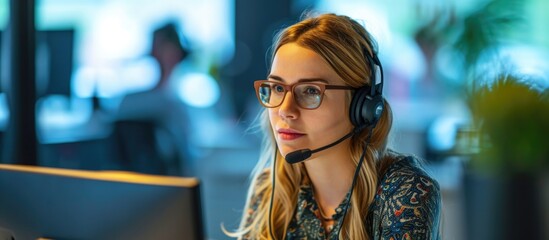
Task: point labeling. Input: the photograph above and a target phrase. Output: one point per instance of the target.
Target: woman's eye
(278, 88)
(312, 91)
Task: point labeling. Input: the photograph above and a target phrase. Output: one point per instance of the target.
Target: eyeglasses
(307, 95)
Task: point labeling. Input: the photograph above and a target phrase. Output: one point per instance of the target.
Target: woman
(324, 113)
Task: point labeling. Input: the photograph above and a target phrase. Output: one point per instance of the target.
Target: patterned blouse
(406, 206)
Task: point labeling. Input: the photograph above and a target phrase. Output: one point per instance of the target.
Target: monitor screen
(39, 202)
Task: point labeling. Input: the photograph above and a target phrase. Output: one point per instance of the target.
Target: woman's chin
(285, 150)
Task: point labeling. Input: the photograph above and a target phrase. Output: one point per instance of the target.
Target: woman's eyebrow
(274, 77)
(313, 80)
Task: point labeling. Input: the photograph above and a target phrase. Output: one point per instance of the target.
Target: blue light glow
(441, 136)
(198, 90)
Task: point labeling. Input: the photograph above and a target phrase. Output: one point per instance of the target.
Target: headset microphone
(302, 154)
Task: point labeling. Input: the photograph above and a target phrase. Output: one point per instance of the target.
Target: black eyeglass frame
(322, 86)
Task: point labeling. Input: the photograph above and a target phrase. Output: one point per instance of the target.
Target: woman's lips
(289, 134)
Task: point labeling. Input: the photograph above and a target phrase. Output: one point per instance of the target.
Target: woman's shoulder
(406, 168)
(409, 196)
(258, 191)
(263, 175)
(407, 175)
(260, 183)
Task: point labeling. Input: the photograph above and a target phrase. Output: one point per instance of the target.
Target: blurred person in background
(161, 105)
(325, 171)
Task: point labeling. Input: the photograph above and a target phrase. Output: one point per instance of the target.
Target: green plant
(514, 123)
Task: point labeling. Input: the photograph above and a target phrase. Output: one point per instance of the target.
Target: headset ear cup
(365, 110)
(373, 109)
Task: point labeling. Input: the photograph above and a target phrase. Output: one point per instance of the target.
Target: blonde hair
(342, 42)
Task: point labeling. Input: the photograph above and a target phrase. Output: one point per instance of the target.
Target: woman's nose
(288, 109)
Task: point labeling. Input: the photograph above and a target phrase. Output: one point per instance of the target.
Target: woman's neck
(331, 176)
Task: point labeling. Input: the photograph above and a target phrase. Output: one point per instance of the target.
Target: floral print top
(406, 206)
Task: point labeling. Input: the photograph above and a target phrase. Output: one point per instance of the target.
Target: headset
(367, 103)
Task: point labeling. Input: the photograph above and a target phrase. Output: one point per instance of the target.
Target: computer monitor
(40, 202)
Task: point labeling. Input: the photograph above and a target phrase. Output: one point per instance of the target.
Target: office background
(90, 54)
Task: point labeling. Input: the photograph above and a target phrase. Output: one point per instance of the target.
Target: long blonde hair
(340, 40)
